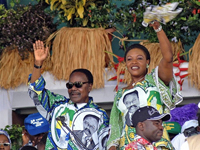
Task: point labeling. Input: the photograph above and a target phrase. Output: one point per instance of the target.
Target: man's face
(130, 100)
(35, 139)
(153, 130)
(4, 139)
(79, 95)
(90, 125)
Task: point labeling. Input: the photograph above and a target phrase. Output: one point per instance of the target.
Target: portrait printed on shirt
(131, 100)
(60, 133)
(85, 128)
(138, 97)
(104, 135)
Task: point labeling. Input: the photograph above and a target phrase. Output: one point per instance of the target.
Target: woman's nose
(134, 61)
(1, 146)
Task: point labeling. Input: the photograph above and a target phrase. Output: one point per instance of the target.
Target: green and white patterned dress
(153, 92)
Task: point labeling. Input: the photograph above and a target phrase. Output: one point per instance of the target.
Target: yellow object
(162, 14)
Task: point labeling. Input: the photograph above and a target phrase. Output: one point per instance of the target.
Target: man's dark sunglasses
(69, 85)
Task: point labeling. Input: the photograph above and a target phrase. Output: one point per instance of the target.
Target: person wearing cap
(192, 142)
(188, 129)
(149, 129)
(5, 142)
(66, 115)
(35, 128)
(173, 128)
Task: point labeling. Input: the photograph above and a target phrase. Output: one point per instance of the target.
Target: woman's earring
(147, 66)
(126, 68)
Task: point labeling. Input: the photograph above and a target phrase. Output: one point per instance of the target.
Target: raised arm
(165, 70)
(40, 54)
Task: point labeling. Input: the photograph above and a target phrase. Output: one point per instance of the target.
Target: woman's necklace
(137, 81)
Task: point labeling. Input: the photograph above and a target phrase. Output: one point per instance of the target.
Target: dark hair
(28, 148)
(144, 49)
(44, 138)
(199, 120)
(134, 92)
(93, 116)
(86, 72)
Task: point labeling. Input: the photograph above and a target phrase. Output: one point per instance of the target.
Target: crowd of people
(138, 119)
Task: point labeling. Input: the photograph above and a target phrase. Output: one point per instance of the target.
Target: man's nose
(161, 127)
(73, 87)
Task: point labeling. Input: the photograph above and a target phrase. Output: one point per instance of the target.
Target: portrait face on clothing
(131, 100)
(152, 130)
(136, 62)
(79, 95)
(90, 124)
(4, 139)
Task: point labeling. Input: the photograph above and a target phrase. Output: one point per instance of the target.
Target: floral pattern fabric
(140, 143)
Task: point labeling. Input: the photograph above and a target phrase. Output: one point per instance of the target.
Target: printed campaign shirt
(72, 126)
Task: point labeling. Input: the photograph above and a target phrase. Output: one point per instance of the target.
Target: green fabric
(152, 92)
(173, 127)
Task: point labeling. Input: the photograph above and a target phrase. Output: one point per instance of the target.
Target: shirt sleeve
(170, 95)
(43, 97)
(116, 124)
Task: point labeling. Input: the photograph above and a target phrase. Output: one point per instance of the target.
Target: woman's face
(136, 62)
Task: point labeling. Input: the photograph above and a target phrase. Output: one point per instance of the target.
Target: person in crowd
(173, 128)
(5, 142)
(66, 114)
(149, 129)
(36, 126)
(28, 147)
(191, 143)
(158, 89)
(188, 129)
(42, 143)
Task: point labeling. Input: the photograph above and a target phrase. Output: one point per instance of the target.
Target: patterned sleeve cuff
(38, 85)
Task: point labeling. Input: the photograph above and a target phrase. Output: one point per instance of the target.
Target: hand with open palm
(40, 52)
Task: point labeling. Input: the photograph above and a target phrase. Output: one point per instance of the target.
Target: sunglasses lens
(69, 85)
(78, 84)
(6, 144)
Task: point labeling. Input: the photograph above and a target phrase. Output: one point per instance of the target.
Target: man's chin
(74, 99)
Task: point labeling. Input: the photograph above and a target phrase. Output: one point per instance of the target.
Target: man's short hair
(36, 124)
(92, 116)
(135, 92)
(86, 72)
(27, 147)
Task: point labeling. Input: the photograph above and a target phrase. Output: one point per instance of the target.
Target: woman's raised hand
(155, 24)
(40, 52)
